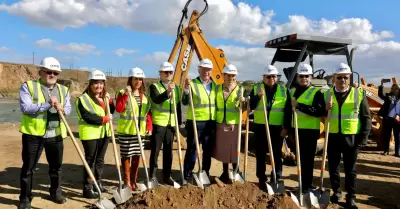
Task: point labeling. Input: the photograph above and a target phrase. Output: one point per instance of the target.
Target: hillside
(12, 75)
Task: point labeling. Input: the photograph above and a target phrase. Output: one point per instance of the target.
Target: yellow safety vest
(36, 124)
(229, 108)
(305, 121)
(204, 104)
(125, 122)
(349, 112)
(90, 131)
(277, 114)
(163, 114)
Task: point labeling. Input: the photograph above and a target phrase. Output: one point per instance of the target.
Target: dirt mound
(231, 196)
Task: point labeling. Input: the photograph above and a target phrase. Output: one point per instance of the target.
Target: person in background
(127, 133)
(41, 101)
(228, 96)
(277, 101)
(395, 116)
(389, 125)
(94, 128)
(350, 125)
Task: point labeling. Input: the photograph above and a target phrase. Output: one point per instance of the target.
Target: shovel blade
(236, 176)
(152, 184)
(176, 185)
(270, 190)
(104, 203)
(141, 186)
(121, 195)
(294, 198)
(203, 177)
(310, 199)
(197, 180)
(325, 197)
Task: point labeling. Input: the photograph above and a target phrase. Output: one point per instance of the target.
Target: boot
(126, 167)
(134, 171)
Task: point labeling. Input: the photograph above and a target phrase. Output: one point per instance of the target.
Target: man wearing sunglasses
(163, 118)
(277, 100)
(40, 101)
(350, 125)
(310, 107)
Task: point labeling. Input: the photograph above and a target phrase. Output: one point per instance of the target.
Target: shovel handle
(78, 149)
(328, 121)
(116, 155)
(177, 133)
(271, 153)
(239, 138)
(246, 144)
(196, 138)
(296, 129)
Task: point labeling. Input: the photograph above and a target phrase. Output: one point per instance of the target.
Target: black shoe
(262, 185)
(102, 189)
(24, 205)
(58, 198)
(224, 178)
(335, 197)
(351, 203)
(169, 181)
(90, 194)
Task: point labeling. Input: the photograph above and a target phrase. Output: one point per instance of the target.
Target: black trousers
(262, 149)
(388, 126)
(95, 150)
(162, 136)
(32, 147)
(308, 145)
(339, 145)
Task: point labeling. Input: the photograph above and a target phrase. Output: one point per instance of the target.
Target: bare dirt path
(378, 184)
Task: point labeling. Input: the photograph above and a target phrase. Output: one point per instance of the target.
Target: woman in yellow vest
(127, 134)
(94, 129)
(228, 98)
(310, 107)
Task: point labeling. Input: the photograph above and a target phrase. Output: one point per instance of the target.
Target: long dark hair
(88, 90)
(142, 89)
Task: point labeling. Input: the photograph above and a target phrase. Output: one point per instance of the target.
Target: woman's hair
(142, 89)
(88, 90)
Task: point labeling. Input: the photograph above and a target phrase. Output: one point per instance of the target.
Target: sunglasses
(269, 76)
(51, 72)
(304, 76)
(342, 77)
(167, 72)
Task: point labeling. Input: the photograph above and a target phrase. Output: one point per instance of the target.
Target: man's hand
(284, 133)
(260, 93)
(171, 87)
(187, 82)
(294, 103)
(53, 101)
(127, 90)
(329, 105)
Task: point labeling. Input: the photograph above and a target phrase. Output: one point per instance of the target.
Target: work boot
(169, 181)
(58, 198)
(101, 187)
(90, 194)
(126, 167)
(351, 203)
(335, 197)
(134, 172)
(225, 173)
(24, 205)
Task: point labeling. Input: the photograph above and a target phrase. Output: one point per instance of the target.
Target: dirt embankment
(12, 75)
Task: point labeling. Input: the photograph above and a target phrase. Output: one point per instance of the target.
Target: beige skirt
(226, 143)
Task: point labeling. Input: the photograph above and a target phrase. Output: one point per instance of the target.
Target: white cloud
(156, 57)
(75, 48)
(4, 49)
(121, 51)
(23, 36)
(241, 22)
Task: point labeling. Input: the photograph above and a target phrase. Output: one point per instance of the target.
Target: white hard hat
(97, 75)
(166, 66)
(270, 70)
(304, 69)
(230, 69)
(206, 63)
(136, 72)
(50, 63)
(343, 69)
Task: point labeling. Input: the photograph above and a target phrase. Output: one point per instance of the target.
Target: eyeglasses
(304, 76)
(269, 76)
(52, 72)
(167, 72)
(343, 77)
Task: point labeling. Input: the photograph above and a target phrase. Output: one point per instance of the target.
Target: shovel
(246, 143)
(201, 177)
(235, 175)
(274, 187)
(149, 184)
(120, 194)
(178, 137)
(102, 203)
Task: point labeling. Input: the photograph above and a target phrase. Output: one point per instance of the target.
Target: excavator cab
(296, 48)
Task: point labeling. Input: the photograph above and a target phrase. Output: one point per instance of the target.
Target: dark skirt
(225, 149)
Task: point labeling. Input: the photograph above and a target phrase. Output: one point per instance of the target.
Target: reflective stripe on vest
(36, 124)
(277, 114)
(90, 131)
(229, 108)
(349, 112)
(305, 121)
(163, 114)
(125, 122)
(204, 104)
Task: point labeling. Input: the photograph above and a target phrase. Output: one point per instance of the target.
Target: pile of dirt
(231, 196)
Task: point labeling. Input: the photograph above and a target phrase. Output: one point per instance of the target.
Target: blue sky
(19, 35)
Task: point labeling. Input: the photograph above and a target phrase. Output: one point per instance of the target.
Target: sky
(117, 35)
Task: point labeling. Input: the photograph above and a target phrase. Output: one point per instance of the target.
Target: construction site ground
(378, 180)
